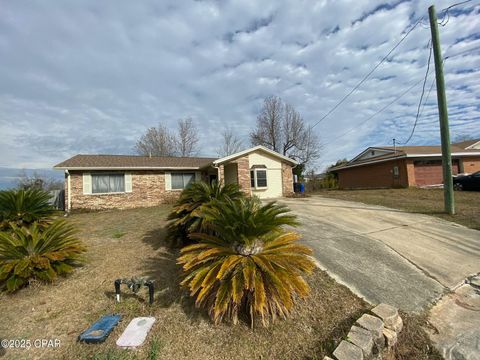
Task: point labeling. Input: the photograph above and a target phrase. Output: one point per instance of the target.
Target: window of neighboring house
(182, 180)
(258, 178)
(108, 183)
(395, 171)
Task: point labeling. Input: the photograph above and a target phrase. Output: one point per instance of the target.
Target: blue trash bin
(302, 188)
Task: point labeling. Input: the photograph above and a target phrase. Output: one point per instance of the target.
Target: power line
(447, 15)
(368, 75)
(463, 52)
(376, 113)
(419, 21)
(421, 96)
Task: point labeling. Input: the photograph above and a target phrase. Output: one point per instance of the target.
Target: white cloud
(90, 77)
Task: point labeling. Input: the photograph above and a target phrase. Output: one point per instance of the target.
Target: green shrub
(249, 264)
(23, 207)
(184, 217)
(37, 252)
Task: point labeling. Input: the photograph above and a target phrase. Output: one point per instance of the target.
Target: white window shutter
(87, 184)
(198, 176)
(168, 181)
(128, 182)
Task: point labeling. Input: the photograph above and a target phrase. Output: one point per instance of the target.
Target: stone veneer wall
(243, 175)
(287, 180)
(243, 168)
(148, 189)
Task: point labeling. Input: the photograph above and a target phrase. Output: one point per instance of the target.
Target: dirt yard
(424, 201)
(131, 242)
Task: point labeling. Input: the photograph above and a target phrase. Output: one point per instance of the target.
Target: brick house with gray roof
(126, 181)
(405, 166)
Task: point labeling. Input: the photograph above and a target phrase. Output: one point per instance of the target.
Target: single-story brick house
(404, 166)
(124, 181)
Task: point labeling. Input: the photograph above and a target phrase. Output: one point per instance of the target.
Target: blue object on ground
(302, 187)
(100, 330)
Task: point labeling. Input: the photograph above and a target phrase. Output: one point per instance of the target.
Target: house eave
(367, 163)
(87, 168)
(436, 155)
(248, 151)
(473, 145)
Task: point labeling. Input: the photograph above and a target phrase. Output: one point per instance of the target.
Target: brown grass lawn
(424, 201)
(131, 242)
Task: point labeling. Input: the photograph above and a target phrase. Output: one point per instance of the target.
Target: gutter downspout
(69, 197)
(218, 172)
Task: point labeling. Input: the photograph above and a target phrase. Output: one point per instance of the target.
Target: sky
(91, 76)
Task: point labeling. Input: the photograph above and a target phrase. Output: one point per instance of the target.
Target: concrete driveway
(386, 255)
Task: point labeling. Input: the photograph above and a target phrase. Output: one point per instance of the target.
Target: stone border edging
(370, 335)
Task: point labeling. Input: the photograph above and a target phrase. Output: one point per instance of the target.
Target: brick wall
(148, 189)
(287, 180)
(471, 164)
(430, 172)
(243, 167)
(379, 175)
(410, 172)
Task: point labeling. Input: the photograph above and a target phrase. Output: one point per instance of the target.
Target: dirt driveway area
(387, 255)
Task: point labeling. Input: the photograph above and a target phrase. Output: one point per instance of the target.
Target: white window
(258, 178)
(181, 180)
(108, 183)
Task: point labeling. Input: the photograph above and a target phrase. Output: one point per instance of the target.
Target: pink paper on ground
(136, 332)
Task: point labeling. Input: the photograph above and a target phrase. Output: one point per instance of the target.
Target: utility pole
(443, 112)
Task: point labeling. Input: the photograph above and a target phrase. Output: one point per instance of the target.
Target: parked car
(467, 182)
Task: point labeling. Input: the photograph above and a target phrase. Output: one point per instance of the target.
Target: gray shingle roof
(409, 151)
(132, 162)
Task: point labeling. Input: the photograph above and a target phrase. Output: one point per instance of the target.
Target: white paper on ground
(136, 332)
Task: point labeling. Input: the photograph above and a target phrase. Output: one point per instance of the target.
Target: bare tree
(269, 124)
(230, 143)
(281, 128)
(38, 181)
(187, 139)
(156, 142)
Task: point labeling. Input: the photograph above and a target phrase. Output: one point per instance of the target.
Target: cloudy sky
(91, 76)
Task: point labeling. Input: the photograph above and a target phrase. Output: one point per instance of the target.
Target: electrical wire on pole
(421, 98)
(368, 74)
(376, 113)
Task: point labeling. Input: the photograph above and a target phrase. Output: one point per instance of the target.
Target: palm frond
(23, 207)
(37, 252)
(185, 216)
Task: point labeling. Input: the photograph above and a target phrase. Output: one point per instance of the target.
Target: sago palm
(23, 207)
(38, 252)
(249, 265)
(184, 217)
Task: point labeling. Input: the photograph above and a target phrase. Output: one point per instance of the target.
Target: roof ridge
(150, 157)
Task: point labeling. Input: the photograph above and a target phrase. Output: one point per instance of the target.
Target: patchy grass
(67, 307)
(117, 234)
(424, 201)
(413, 341)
